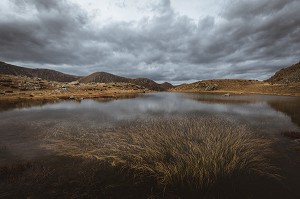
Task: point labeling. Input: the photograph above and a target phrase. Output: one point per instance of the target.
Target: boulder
(211, 87)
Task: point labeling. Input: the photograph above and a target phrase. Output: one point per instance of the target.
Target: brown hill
(166, 85)
(103, 77)
(286, 75)
(46, 74)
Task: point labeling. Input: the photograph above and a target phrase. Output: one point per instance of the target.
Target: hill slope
(286, 75)
(166, 85)
(103, 77)
(46, 74)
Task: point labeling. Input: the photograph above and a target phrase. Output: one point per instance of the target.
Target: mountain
(286, 75)
(166, 85)
(103, 77)
(46, 74)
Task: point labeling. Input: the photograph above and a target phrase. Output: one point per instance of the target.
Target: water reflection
(268, 115)
(280, 107)
(18, 104)
(290, 108)
(272, 111)
(264, 114)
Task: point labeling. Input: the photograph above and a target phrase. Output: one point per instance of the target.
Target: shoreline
(9, 102)
(237, 93)
(111, 95)
(14, 101)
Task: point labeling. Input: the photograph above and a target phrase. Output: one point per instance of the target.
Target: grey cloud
(255, 8)
(253, 40)
(164, 7)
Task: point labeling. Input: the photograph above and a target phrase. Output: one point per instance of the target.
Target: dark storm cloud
(45, 38)
(252, 39)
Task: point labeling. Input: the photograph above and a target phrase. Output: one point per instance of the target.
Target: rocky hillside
(46, 74)
(286, 75)
(103, 77)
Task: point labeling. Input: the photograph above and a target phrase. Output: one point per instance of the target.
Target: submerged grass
(190, 157)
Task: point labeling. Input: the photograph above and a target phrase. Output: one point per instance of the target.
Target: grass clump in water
(188, 157)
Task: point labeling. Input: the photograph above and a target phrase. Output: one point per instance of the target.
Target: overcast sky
(165, 40)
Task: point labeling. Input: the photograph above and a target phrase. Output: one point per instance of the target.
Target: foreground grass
(185, 157)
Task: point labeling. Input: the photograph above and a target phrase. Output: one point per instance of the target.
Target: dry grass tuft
(185, 155)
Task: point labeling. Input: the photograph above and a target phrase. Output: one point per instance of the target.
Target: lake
(25, 131)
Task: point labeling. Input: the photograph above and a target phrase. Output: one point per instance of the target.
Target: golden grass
(186, 155)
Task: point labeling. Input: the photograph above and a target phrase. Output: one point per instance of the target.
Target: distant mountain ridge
(286, 75)
(103, 77)
(167, 85)
(98, 77)
(46, 74)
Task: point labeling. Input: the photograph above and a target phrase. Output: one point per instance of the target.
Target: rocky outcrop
(286, 75)
(211, 87)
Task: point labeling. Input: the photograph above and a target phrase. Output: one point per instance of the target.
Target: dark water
(268, 115)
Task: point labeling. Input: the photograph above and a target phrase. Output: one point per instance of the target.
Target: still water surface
(268, 115)
(263, 114)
